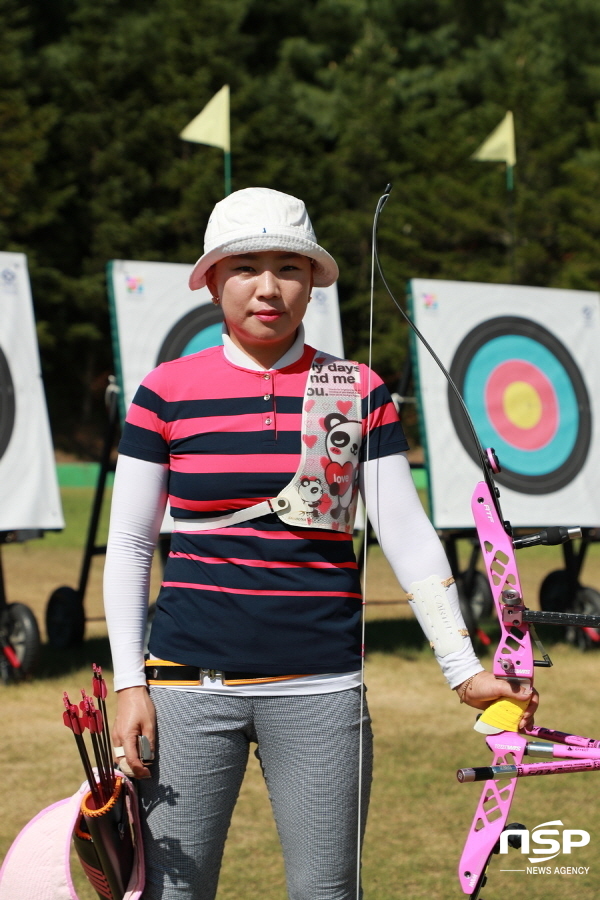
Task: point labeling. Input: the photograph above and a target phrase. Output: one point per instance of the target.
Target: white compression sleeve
(138, 504)
(411, 545)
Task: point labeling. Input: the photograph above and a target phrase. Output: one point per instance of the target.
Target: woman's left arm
(415, 553)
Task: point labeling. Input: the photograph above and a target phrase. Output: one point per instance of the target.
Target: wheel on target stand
(21, 641)
(587, 601)
(555, 592)
(480, 598)
(65, 618)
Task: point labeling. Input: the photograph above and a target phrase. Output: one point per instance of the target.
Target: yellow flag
(211, 126)
(500, 145)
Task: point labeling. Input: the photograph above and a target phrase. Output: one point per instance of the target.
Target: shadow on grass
(397, 636)
(402, 636)
(52, 663)
(550, 636)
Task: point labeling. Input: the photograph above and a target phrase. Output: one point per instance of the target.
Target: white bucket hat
(257, 219)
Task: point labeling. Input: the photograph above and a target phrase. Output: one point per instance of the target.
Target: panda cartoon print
(340, 466)
(310, 489)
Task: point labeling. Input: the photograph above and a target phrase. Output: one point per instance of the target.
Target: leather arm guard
(430, 604)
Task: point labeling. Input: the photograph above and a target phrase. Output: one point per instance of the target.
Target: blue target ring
(528, 401)
(495, 353)
(199, 329)
(208, 337)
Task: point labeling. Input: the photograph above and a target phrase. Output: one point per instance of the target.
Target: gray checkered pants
(308, 747)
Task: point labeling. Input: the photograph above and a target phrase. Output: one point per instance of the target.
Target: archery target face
(155, 318)
(7, 404)
(528, 401)
(29, 494)
(526, 363)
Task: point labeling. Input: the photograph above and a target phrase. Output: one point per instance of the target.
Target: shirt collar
(236, 356)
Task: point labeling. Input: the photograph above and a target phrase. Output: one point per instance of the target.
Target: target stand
(29, 495)
(526, 363)
(65, 612)
(19, 633)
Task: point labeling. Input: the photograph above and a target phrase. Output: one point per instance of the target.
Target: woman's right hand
(135, 716)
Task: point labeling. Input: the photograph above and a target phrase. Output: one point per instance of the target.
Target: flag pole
(512, 224)
(499, 146)
(227, 161)
(212, 126)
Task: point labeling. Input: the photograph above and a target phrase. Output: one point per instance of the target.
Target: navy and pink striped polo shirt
(260, 596)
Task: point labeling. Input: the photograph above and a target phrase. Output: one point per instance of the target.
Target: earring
(216, 300)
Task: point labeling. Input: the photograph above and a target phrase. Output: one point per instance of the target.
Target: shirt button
(266, 377)
(267, 421)
(267, 397)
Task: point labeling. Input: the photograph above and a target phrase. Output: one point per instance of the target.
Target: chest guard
(324, 491)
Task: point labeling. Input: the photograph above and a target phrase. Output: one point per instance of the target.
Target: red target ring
(522, 404)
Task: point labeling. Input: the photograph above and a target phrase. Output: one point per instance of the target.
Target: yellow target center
(522, 405)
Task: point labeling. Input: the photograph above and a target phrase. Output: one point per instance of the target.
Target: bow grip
(502, 715)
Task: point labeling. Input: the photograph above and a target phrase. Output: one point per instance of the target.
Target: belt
(161, 672)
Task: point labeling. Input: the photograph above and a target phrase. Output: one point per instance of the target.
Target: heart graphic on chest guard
(309, 405)
(344, 406)
(310, 440)
(340, 475)
(325, 504)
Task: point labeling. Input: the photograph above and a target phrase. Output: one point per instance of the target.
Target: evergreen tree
(331, 99)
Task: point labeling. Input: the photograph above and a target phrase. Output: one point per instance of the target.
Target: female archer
(257, 635)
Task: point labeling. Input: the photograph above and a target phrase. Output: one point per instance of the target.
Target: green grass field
(419, 812)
